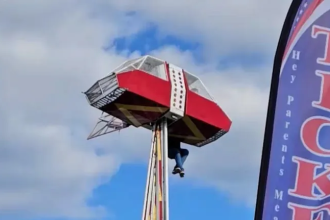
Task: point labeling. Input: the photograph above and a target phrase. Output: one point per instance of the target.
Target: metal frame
(156, 200)
(103, 88)
(211, 98)
(107, 124)
(215, 137)
(146, 206)
(107, 99)
(165, 168)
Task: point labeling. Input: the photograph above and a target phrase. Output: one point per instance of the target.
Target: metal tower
(156, 201)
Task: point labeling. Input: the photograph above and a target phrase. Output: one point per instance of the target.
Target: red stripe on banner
(302, 21)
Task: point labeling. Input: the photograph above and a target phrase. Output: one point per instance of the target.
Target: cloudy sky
(52, 50)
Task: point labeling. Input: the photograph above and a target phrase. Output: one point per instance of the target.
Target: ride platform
(142, 91)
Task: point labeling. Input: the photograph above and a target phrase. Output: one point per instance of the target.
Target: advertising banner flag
(294, 182)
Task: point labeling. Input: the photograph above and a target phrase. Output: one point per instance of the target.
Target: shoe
(176, 170)
(182, 173)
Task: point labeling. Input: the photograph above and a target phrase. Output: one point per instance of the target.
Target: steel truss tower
(156, 202)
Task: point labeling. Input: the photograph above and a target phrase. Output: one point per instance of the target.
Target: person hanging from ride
(178, 154)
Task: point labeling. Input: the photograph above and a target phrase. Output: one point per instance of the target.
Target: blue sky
(186, 200)
(151, 38)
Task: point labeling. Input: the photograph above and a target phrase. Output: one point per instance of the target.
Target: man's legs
(184, 154)
(174, 153)
(180, 155)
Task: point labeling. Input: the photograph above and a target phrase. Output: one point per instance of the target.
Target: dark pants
(176, 153)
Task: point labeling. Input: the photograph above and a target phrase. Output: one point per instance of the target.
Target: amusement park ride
(159, 96)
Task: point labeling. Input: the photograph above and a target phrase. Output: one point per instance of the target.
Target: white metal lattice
(107, 124)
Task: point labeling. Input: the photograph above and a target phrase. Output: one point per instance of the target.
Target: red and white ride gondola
(154, 94)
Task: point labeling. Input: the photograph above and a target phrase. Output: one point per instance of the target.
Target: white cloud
(49, 54)
(52, 51)
(224, 27)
